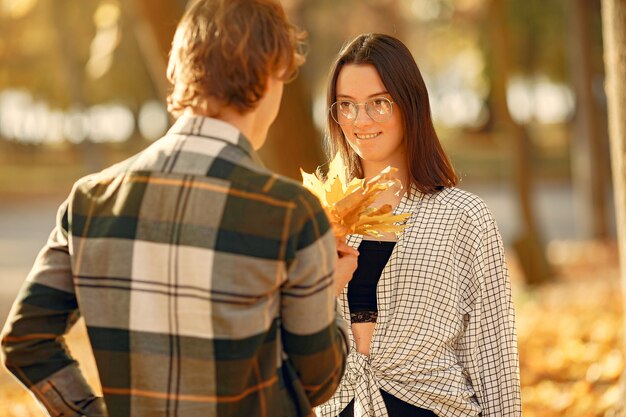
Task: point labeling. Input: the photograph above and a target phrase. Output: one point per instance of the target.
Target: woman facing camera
(432, 321)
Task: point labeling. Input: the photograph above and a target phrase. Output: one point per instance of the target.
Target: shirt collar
(209, 128)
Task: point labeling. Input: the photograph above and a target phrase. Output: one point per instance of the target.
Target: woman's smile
(365, 136)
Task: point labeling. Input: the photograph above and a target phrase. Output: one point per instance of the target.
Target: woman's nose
(362, 118)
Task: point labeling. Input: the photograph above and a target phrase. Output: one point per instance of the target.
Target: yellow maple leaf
(313, 184)
(336, 170)
(349, 204)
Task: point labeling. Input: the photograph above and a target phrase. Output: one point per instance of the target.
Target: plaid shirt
(205, 281)
(445, 335)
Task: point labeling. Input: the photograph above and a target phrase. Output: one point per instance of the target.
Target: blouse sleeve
(489, 343)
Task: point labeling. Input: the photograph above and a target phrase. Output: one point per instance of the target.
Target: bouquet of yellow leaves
(348, 204)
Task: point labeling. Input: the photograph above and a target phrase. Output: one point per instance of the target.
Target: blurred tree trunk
(614, 32)
(293, 142)
(390, 13)
(74, 72)
(528, 245)
(158, 20)
(589, 159)
(153, 24)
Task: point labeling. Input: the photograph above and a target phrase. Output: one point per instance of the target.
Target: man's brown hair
(224, 51)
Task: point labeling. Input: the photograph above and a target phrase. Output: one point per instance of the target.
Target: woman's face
(378, 144)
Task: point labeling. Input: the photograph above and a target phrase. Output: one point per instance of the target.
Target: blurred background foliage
(87, 73)
(517, 93)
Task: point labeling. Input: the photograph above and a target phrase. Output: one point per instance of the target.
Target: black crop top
(373, 256)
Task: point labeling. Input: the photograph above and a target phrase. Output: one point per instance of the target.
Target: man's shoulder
(107, 175)
(273, 199)
(289, 188)
(248, 182)
(280, 188)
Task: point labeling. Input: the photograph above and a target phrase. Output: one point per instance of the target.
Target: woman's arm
(488, 346)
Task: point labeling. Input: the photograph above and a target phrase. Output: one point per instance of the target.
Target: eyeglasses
(345, 112)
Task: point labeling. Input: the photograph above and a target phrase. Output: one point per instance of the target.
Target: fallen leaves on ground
(570, 334)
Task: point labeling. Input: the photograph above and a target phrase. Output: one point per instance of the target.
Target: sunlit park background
(517, 92)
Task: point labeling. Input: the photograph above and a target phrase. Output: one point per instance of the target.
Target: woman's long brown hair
(429, 167)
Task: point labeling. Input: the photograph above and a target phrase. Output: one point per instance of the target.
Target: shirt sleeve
(489, 342)
(33, 343)
(313, 334)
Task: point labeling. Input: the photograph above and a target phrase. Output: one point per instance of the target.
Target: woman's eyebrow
(382, 93)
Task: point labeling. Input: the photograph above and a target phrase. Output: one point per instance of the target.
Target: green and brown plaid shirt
(205, 281)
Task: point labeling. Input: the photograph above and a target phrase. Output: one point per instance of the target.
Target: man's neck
(245, 123)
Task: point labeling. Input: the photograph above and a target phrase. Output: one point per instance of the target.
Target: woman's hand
(346, 265)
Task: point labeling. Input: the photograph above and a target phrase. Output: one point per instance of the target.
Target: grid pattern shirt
(445, 335)
(205, 281)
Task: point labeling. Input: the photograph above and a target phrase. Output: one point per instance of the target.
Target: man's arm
(33, 345)
(314, 336)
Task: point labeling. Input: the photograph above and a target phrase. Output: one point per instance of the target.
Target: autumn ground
(569, 338)
(570, 334)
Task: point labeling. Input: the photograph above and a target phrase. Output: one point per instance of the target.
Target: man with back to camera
(205, 280)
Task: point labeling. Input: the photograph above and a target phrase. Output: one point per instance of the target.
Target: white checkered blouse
(445, 335)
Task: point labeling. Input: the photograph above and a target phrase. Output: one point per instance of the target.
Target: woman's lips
(366, 135)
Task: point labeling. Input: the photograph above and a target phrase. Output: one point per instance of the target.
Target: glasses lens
(343, 112)
(379, 108)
